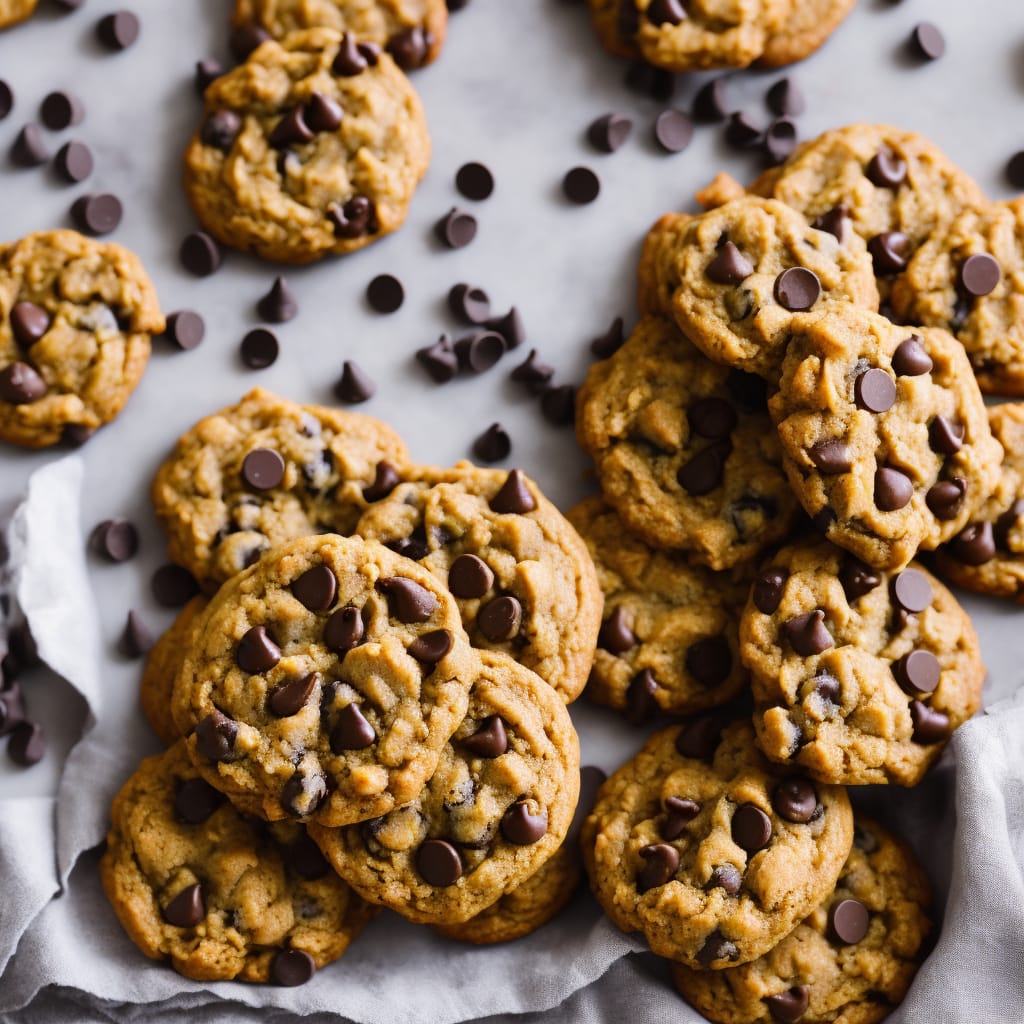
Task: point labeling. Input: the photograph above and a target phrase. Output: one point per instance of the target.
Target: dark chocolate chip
(712, 417)
(918, 672)
(704, 472)
(890, 252)
(499, 620)
(279, 304)
(259, 348)
(322, 113)
(847, 921)
(912, 591)
(410, 48)
(75, 435)
(215, 736)
(353, 218)
(456, 229)
(385, 479)
(837, 222)
(256, 651)
(666, 12)
(117, 540)
(945, 436)
(302, 794)
(408, 601)
(385, 293)
(795, 799)
(609, 132)
(306, 860)
(785, 99)
(29, 322)
(470, 577)
(291, 967)
(187, 909)
(21, 385)
(60, 110)
(874, 391)
(522, 828)
(615, 634)
(927, 41)
(513, 497)
(136, 638)
(581, 185)
(893, 489)
(185, 329)
(438, 863)
(797, 289)
(431, 647)
(29, 148)
(316, 588)
(709, 104)
(717, 947)
(291, 130)
(679, 812)
(490, 739)
(469, 303)
(119, 30)
(886, 169)
(729, 265)
(726, 877)
(479, 351)
(857, 578)
(172, 586)
(808, 634)
(352, 59)
(974, 545)
(641, 706)
(263, 469)
(290, 698)
(978, 275)
(344, 630)
(742, 132)
(6, 99)
(352, 731)
(493, 444)
(558, 405)
(768, 589)
(673, 131)
(780, 139)
(220, 129)
(354, 386)
(533, 372)
(97, 213)
(751, 828)
(661, 862)
(1007, 522)
(1014, 169)
(789, 1006)
(610, 342)
(409, 547)
(699, 737)
(439, 359)
(200, 254)
(510, 327)
(27, 744)
(945, 498)
(709, 660)
(910, 358)
(474, 181)
(195, 800)
(207, 71)
(930, 726)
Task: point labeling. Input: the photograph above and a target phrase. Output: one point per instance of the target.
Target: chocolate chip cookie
(669, 639)
(884, 434)
(806, 27)
(13, 11)
(218, 894)
(522, 577)
(497, 807)
(76, 317)
(412, 31)
(736, 276)
(324, 682)
(852, 959)
(683, 448)
(709, 850)
(988, 554)
(859, 676)
(266, 471)
(313, 146)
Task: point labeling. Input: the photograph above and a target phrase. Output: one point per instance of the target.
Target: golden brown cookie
(497, 807)
(218, 894)
(806, 27)
(324, 682)
(76, 317)
(683, 449)
(310, 147)
(711, 851)
(852, 960)
(859, 676)
(266, 471)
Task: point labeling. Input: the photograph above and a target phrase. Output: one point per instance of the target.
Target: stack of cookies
(774, 453)
(366, 705)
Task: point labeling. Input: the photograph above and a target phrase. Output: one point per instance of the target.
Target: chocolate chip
(926, 41)
(207, 71)
(27, 744)
(847, 921)
(581, 185)
(499, 620)
(513, 497)
(893, 489)
(610, 342)
(874, 391)
(29, 148)
(522, 828)
(1007, 522)
(220, 129)
(666, 12)
(438, 863)
(290, 698)
(115, 539)
(263, 469)
(353, 58)
(74, 435)
(890, 252)
(119, 30)
(886, 169)
(344, 630)
(431, 647)
(136, 638)
(187, 909)
(729, 265)
(912, 591)
(291, 130)
(259, 348)
(742, 132)
(1014, 169)
(679, 812)
(978, 275)
(279, 304)
(409, 547)
(558, 405)
(918, 672)
(352, 731)
(717, 947)
(316, 588)
(185, 329)
(785, 99)
(609, 132)
(768, 589)
(408, 601)
(789, 1006)
(385, 479)
(726, 877)
(256, 651)
(385, 293)
(493, 444)
(322, 113)
(29, 322)
(439, 359)
(615, 634)
(172, 586)
(6, 99)
(974, 545)
(709, 660)
(946, 498)
(97, 213)
(195, 800)
(21, 385)
(533, 372)
(478, 352)
(930, 726)
(751, 828)
(474, 181)
(837, 222)
(353, 386)
(807, 634)
(712, 417)
(673, 131)
(200, 254)
(490, 739)
(302, 794)
(780, 139)
(456, 229)
(469, 303)
(306, 860)
(510, 327)
(470, 577)
(699, 737)
(704, 472)
(661, 862)
(797, 289)
(910, 359)
(945, 436)
(215, 736)
(60, 110)
(641, 705)
(709, 104)
(410, 48)
(353, 218)
(291, 967)
(795, 799)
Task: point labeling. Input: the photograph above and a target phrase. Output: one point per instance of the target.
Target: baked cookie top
(669, 639)
(496, 808)
(737, 275)
(266, 471)
(325, 682)
(851, 960)
(683, 448)
(313, 146)
(884, 435)
(521, 576)
(806, 27)
(713, 860)
(859, 676)
(76, 317)
(220, 895)
(412, 31)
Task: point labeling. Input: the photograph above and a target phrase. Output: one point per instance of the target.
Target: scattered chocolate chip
(789, 1006)
(886, 169)
(21, 385)
(918, 672)
(795, 799)
(890, 252)
(200, 254)
(195, 800)
(874, 391)
(29, 322)
(27, 744)
(930, 726)
(474, 181)
(499, 620)
(893, 489)
(513, 497)
(385, 293)
(797, 289)
(661, 864)
(136, 638)
(279, 304)
(263, 469)
(119, 30)
(353, 219)
(978, 275)
(558, 404)
(609, 132)
(172, 586)
(479, 351)
(857, 578)
(1014, 169)
(910, 358)
(29, 148)
(256, 651)
(291, 967)
(303, 794)
(712, 417)
(780, 139)
(438, 863)
(493, 444)
(410, 48)
(704, 472)
(352, 731)
(344, 630)
(97, 213)
(259, 348)
(768, 589)
(316, 588)
(581, 185)
(709, 660)
(522, 828)
(207, 71)
(785, 99)
(469, 303)
(699, 737)
(439, 359)
(751, 828)
(709, 104)
(717, 947)
(117, 539)
(185, 329)
(666, 12)
(490, 739)
(215, 736)
(974, 545)
(354, 386)
(615, 634)
(808, 634)
(837, 222)
(533, 372)
(729, 265)
(912, 591)
(352, 59)
(510, 327)
(456, 229)
(431, 647)
(679, 812)
(407, 600)
(187, 909)
(60, 110)
(847, 921)
(641, 705)
(610, 342)
(927, 42)
(673, 131)
(726, 877)
(6, 99)
(291, 697)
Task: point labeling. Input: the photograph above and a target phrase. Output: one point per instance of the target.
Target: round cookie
(884, 435)
(76, 317)
(806, 27)
(497, 807)
(310, 147)
(324, 682)
(736, 276)
(969, 279)
(858, 676)
(988, 554)
(522, 577)
(669, 639)
(411, 30)
(683, 448)
(839, 964)
(714, 860)
(194, 881)
(13, 11)
(217, 496)
(162, 665)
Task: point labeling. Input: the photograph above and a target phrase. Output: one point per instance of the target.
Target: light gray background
(516, 86)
